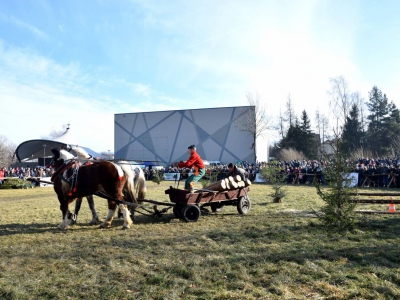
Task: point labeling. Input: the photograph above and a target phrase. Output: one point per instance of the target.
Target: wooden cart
(188, 205)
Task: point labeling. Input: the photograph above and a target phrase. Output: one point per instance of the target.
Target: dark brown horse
(71, 183)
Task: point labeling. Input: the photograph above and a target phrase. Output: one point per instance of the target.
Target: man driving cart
(196, 162)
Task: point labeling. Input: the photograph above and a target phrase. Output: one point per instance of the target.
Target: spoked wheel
(191, 213)
(244, 205)
(177, 210)
(216, 207)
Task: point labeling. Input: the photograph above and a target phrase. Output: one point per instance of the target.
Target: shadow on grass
(32, 228)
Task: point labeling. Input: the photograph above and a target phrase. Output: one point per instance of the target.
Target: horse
(71, 183)
(136, 183)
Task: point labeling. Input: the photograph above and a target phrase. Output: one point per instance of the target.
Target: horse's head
(60, 156)
(56, 157)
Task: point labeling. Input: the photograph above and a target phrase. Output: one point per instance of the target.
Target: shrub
(273, 175)
(157, 177)
(208, 179)
(16, 183)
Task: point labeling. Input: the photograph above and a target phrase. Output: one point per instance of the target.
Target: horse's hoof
(59, 227)
(73, 222)
(125, 227)
(103, 226)
(94, 221)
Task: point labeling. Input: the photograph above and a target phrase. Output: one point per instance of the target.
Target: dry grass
(277, 251)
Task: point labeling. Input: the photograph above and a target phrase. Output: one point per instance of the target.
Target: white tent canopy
(32, 149)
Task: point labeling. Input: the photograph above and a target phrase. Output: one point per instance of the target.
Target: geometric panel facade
(163, 137)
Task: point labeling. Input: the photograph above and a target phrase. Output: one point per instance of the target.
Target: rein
(156, 214)
(61, 169)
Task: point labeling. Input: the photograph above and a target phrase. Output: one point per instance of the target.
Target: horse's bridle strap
(60, 170)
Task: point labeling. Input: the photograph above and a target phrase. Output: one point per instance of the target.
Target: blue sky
(80, 62)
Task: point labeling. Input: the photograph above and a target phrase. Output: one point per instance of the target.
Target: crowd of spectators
(22, 172)
(377, 172)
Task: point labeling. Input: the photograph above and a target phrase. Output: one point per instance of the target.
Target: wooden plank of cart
(188, 205)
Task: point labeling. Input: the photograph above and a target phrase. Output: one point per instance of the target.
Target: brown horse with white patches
(135, 184)
(71, 183)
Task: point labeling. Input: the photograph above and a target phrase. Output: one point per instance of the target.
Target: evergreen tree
(293, 136)
(308, 142)
(300, 137)
(392, 128)
(352, 134)
(379, 119)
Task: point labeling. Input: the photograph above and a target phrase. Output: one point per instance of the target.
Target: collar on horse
(65, 166)
(71, 180)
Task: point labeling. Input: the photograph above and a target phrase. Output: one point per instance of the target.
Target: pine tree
(379, 119)
(308, 143)
(293, 136)
(352, 134)
(392, 128)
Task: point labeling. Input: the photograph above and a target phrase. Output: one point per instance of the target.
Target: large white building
(164, 136)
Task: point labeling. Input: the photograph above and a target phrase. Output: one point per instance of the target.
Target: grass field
(277, 251)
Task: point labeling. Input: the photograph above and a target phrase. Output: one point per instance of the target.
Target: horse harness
(72, 180)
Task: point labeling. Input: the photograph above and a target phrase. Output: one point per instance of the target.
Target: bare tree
(318, 125)
(361, 152)
(108, 154)
(7, 150)
(341, 101)
(55, 133)
(395, 145)
(289, 113)
(281, 124)
(322, 125)
(290, 154)
(254, 121)
(359, 101)
(325, 128)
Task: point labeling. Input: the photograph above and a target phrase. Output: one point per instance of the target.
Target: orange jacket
(193, 161)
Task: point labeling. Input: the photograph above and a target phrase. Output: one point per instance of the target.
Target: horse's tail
(129, 184)
(140, 183)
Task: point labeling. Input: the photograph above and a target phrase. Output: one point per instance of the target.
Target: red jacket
(193, 161)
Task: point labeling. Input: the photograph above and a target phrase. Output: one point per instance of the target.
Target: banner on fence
(259, 178)
(172, 176)
(353, 177)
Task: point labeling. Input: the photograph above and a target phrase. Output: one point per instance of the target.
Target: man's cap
(230, 165)
(192, 147)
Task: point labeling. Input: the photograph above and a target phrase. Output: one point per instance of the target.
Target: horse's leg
(111, 211)
(127, 218)
(66, 215)
(120, 215)
(76, 211)
(95, 217)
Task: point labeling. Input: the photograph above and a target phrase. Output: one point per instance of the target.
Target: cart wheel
(177, 211)
(191, 213)
(244, 205)
(216, 207)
